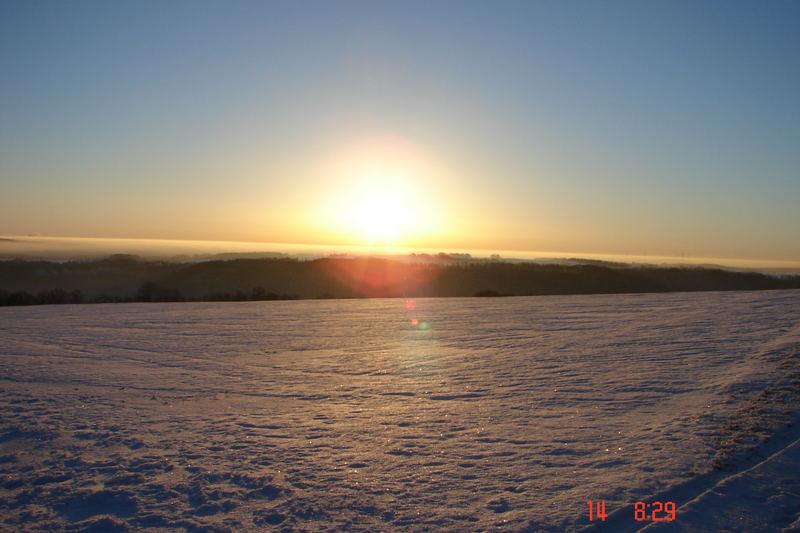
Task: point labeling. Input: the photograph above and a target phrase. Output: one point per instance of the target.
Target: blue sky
(607, 127)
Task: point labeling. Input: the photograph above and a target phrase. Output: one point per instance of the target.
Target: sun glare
(383, 194)
(381, 216)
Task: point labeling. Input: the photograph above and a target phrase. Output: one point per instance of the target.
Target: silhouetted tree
(53, 296)
(20, 298)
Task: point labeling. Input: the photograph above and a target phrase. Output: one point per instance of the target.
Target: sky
(664, 128)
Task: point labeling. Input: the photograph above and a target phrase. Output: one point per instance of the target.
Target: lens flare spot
(414, 322)
(411, 305)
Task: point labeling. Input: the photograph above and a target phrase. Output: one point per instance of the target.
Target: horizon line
(166, 247)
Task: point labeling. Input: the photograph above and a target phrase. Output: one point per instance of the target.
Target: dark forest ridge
(126, 278)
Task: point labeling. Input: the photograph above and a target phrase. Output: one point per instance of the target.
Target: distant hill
(129, 278)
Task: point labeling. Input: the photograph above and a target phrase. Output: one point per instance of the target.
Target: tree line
(129, 279)
(148, 292)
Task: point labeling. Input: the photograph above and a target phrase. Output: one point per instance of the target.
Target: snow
(489, 414)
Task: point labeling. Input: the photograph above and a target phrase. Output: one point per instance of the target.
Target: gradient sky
(639, 127)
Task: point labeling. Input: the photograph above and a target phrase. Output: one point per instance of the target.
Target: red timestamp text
(597, 510)
(656, 511)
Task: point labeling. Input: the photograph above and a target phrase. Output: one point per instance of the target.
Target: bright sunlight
(383, 194)
(381, 215)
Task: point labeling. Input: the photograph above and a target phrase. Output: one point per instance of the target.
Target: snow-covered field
(481, 414)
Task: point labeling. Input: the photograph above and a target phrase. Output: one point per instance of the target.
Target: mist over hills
(123, 278)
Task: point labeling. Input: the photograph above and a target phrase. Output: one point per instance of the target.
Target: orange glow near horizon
(377, 277)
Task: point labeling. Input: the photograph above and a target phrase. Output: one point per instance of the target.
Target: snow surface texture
(481, 414)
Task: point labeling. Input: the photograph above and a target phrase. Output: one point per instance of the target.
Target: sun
(382, 214)
(382, 193)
